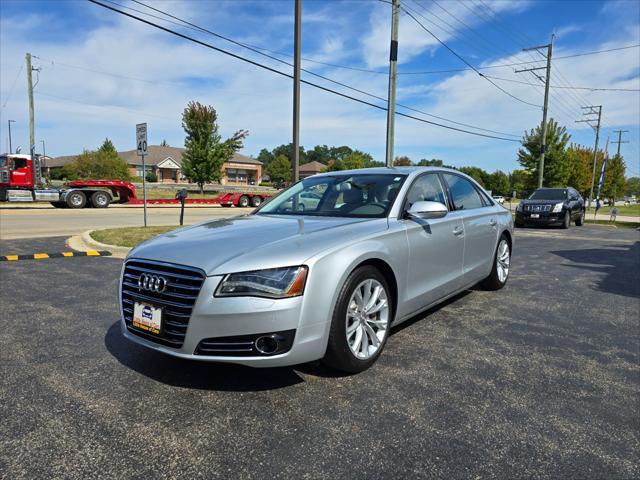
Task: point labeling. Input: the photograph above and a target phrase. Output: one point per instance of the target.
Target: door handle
(493, 222)
(458, 231)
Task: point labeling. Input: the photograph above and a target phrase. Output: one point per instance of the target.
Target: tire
(567, 220)
(500, 271)
(256, 201)
(345, 352)
(243, 201)
(59, 204)
(76, 199)
(580, 219)
(100, 200)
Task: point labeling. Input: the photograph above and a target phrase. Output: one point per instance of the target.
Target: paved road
(46, 222)
(539, 380)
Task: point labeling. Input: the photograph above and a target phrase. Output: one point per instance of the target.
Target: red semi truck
(21, 181)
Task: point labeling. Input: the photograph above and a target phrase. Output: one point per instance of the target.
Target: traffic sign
(141, 138)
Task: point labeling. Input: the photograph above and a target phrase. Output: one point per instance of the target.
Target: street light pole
(9, 122)
(297, 34)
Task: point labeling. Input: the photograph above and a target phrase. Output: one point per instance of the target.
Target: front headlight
(557, 208)
(273, 283)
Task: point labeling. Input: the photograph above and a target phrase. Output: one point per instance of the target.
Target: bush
(151, 177)
(266, 184)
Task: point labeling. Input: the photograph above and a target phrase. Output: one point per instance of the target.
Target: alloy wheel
(367, 321)
(503, 259)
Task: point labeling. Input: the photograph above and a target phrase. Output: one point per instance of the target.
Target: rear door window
(463, 194)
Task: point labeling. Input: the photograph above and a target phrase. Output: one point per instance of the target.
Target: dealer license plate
(535, 215)
(147, 318)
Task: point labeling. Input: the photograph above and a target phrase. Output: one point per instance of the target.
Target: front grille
(537, 208)
(183, 286)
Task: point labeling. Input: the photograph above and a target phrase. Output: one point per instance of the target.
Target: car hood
(542, 202)
(253, 242)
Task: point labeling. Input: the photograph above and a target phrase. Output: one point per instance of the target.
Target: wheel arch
(389, 275)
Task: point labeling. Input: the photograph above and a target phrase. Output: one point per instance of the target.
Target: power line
(377, 97)
(594, 89)
(273, 70)
(408, 12)
(514, 64)
(15, 80)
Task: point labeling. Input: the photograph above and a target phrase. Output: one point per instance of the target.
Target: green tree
(108, 147)
(498, 183)
(151, 177)
(580, 161)
(265, 156)
(614, 181)
(98, 165)
(632, 186)
(478, 174)
(205, 151)
(519, 179)
(402, 161)
(279, 169)
(556, 165)
(430, 163)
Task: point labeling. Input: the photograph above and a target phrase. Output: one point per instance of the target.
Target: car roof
(388, 171)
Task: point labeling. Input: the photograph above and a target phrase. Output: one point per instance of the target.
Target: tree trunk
(201, 185)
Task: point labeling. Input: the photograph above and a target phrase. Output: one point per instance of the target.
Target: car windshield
(339, 195)
(549, 194)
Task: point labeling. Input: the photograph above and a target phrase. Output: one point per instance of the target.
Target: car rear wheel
(100, 200)
(567, 220)
(361, 321)
(243, 201)
(501, 263)
(76, 200)
(580, 219)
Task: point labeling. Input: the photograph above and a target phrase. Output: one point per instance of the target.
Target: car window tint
(463, 194)
(426, 188)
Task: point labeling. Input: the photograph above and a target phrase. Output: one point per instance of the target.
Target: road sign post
(141, 142)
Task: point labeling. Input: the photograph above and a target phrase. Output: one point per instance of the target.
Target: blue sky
(102, 73)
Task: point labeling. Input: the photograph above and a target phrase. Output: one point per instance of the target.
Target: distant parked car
(499, 199)
(551, 206)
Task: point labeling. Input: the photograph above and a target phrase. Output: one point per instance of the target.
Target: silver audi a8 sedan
(296, 281)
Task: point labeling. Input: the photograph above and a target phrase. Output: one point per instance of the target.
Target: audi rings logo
(152, 283)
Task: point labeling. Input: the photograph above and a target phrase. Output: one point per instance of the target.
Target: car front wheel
(501, 263)
(361, 321)
(567, 220)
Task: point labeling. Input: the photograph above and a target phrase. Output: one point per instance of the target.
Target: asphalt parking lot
(541, 379)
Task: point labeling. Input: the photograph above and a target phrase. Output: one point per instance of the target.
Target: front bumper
(545, 218)
(219, 317)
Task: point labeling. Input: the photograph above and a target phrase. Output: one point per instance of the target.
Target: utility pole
(393, 74)
(592, 111)
(620, 132)
(9, 122)
(32, 134)
(297, 31)
(545, 108)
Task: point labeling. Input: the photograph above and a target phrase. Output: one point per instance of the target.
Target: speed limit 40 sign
(141, 138)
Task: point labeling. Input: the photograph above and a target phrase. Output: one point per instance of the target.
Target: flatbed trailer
(21, 181)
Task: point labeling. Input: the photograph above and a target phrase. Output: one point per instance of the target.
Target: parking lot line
(43, 256)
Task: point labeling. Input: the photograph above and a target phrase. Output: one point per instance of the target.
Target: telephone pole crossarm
(545, 108)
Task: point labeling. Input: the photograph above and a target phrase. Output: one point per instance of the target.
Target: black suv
(551, 206)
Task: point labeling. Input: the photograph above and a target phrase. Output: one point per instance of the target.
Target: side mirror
(427, 210)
